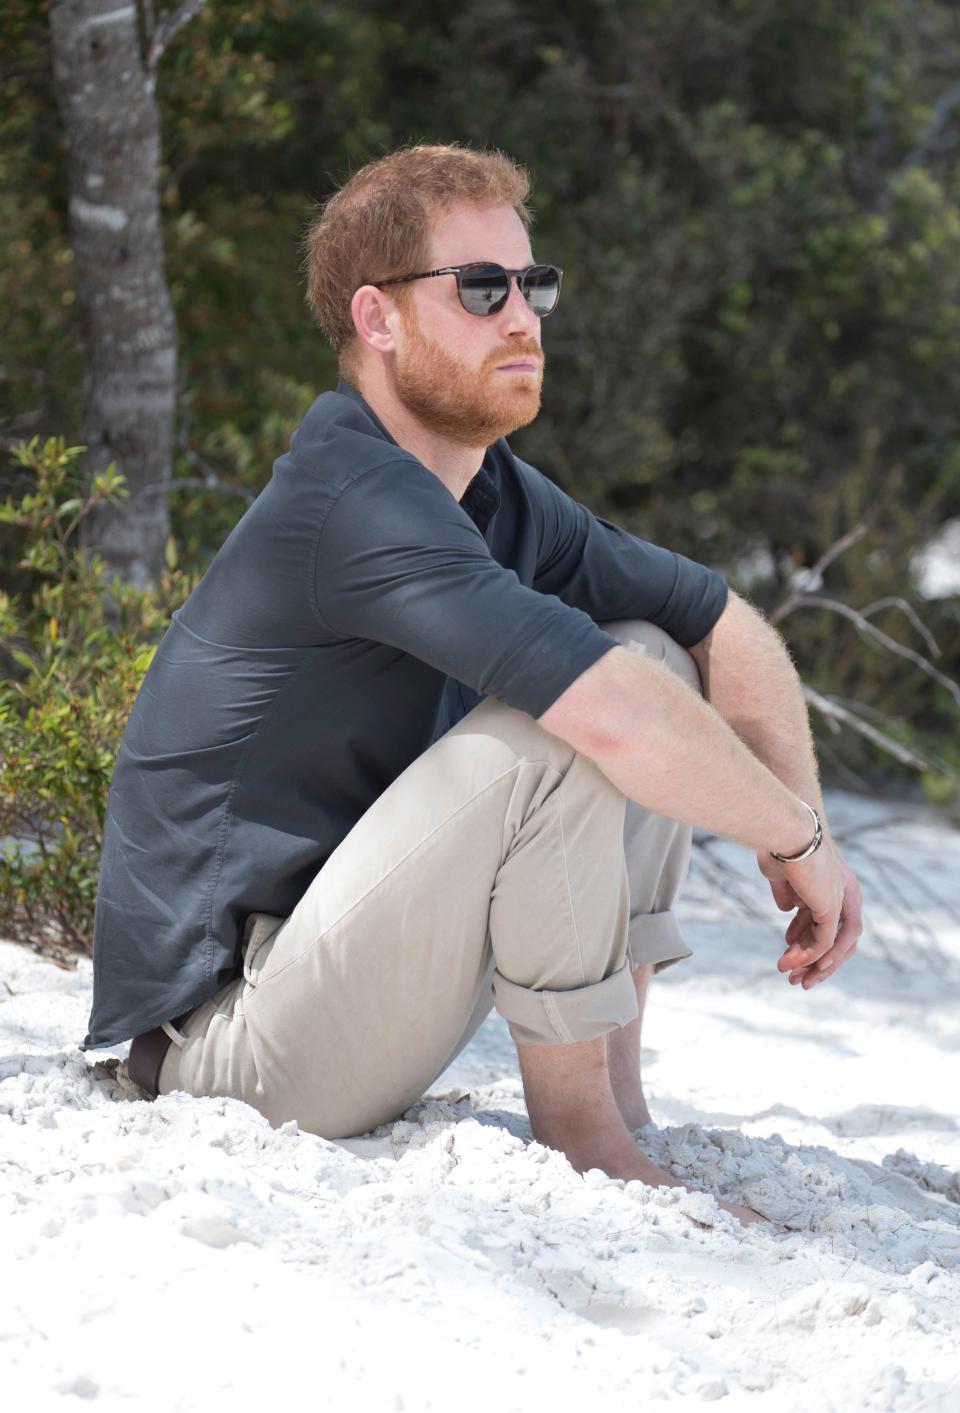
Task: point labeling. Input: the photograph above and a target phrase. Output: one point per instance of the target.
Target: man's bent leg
(658, 855)
(572, 1108)
(624, 1059)
(495, 858)
(578, 1096)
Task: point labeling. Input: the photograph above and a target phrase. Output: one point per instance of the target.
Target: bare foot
(627, 1162)
(573, 1110)
(746, 1216)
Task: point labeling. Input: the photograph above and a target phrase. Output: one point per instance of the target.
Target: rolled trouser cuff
(562, 1017)
(655, 939)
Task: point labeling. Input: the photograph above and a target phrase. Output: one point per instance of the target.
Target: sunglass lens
(483, 288)
(541, 288)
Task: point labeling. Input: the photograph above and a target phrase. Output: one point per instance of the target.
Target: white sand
(184, 1255)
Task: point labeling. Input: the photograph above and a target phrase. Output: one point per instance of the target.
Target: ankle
(573, 1108)
(617, 1156)
(634, 1111)
(611, 1152)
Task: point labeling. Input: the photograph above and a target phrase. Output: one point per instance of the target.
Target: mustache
(516, 351)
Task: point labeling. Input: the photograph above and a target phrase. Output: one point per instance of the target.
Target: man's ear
(371, 310)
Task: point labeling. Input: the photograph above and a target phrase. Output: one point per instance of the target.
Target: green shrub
(74, 647)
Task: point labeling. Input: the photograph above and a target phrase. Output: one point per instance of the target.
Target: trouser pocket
(260, 929)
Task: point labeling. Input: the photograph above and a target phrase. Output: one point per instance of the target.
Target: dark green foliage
(757, 210)
(73, 649)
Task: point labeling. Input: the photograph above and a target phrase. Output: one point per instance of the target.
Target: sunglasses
(484, 287)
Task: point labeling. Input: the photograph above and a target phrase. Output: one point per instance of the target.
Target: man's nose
(516, 315)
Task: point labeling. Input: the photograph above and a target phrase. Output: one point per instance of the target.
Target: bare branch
(838, 547)
(815, 574)
(868, 712)
(911, 613)
(162, 35)
(826, 752)
(879, 738)
(868, 630)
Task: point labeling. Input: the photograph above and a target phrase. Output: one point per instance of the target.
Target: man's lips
(522, 365)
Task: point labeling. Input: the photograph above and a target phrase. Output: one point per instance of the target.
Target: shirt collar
(348, 390)
(481, 499)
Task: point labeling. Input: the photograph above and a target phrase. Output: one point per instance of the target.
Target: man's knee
(513, 732)
(650, 641)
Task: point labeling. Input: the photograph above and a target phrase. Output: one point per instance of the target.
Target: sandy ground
(182, 1254)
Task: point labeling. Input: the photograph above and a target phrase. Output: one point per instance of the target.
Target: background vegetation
(757, 209)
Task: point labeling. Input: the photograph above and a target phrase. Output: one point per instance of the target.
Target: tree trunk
(106, 102)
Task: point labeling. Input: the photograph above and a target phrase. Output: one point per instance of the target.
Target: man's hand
(824, 932)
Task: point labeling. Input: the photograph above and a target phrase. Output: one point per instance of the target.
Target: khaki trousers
(501, 868)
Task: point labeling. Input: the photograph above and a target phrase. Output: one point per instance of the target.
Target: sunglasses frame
(458, 270)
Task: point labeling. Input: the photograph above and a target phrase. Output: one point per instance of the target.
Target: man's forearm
(750, 680)
(740, 764)
(655, 738)
(752, 684)
(679, 755)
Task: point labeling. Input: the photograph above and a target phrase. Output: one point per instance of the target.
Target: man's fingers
(783, 895)
(801, 942)
(848, 934)
(850, 928)
(799, 926)
(809, 942)
(814, 975)
(851, 916)
(818, 946)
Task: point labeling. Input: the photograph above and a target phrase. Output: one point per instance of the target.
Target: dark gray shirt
(354, 613)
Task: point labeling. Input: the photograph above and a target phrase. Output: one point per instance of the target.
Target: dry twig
(833, 711)
(161, 34)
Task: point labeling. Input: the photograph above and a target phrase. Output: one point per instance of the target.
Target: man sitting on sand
(429, 737)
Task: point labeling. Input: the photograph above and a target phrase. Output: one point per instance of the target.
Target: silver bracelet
(811, 847)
